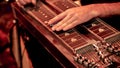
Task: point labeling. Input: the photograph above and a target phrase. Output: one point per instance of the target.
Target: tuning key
(86, 62)
(90, 65)
(78, 58)
(118, 53)
(107, 60)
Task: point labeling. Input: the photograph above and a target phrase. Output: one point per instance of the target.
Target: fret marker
(39, 11)
(67, 6)
(46, 22)
(93, 25)
(101, 30)
(73, 39)
(43, 14)
(66, 34)
(46, 16)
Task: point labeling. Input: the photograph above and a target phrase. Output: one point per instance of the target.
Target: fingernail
(64, 29)
(58, 29)
(53, 28)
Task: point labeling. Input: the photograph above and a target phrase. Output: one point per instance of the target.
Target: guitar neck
(71, 38)
(101, 29)
(61, 5)
(74, 42)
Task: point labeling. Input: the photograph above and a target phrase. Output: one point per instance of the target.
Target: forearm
(106, 9)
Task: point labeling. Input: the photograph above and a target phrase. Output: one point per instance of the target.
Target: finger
(72, 25)
(21, 2)
(57, 18)
(34, 1)
(61, 23)
(69, 21)
(27, 1)
(18, 3)
(60, 27)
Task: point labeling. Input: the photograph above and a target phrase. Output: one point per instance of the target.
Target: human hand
(72, 17)
(24, 2)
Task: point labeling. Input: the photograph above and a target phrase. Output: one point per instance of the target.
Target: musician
(6, 58)
(78, 15)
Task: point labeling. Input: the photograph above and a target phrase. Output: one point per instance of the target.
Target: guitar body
(94, 44)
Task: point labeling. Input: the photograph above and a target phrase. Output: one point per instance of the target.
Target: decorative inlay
(101, 30)
(73, 39)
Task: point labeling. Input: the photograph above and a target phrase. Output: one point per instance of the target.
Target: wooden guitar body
(94, 44)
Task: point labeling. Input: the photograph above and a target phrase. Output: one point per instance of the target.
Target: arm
(107, 9)
(78, 15)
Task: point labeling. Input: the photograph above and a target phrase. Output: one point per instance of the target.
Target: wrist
(105, 9)
(96, 10)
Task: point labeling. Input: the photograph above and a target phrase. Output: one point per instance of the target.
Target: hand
(72, 17)
(24, 2)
